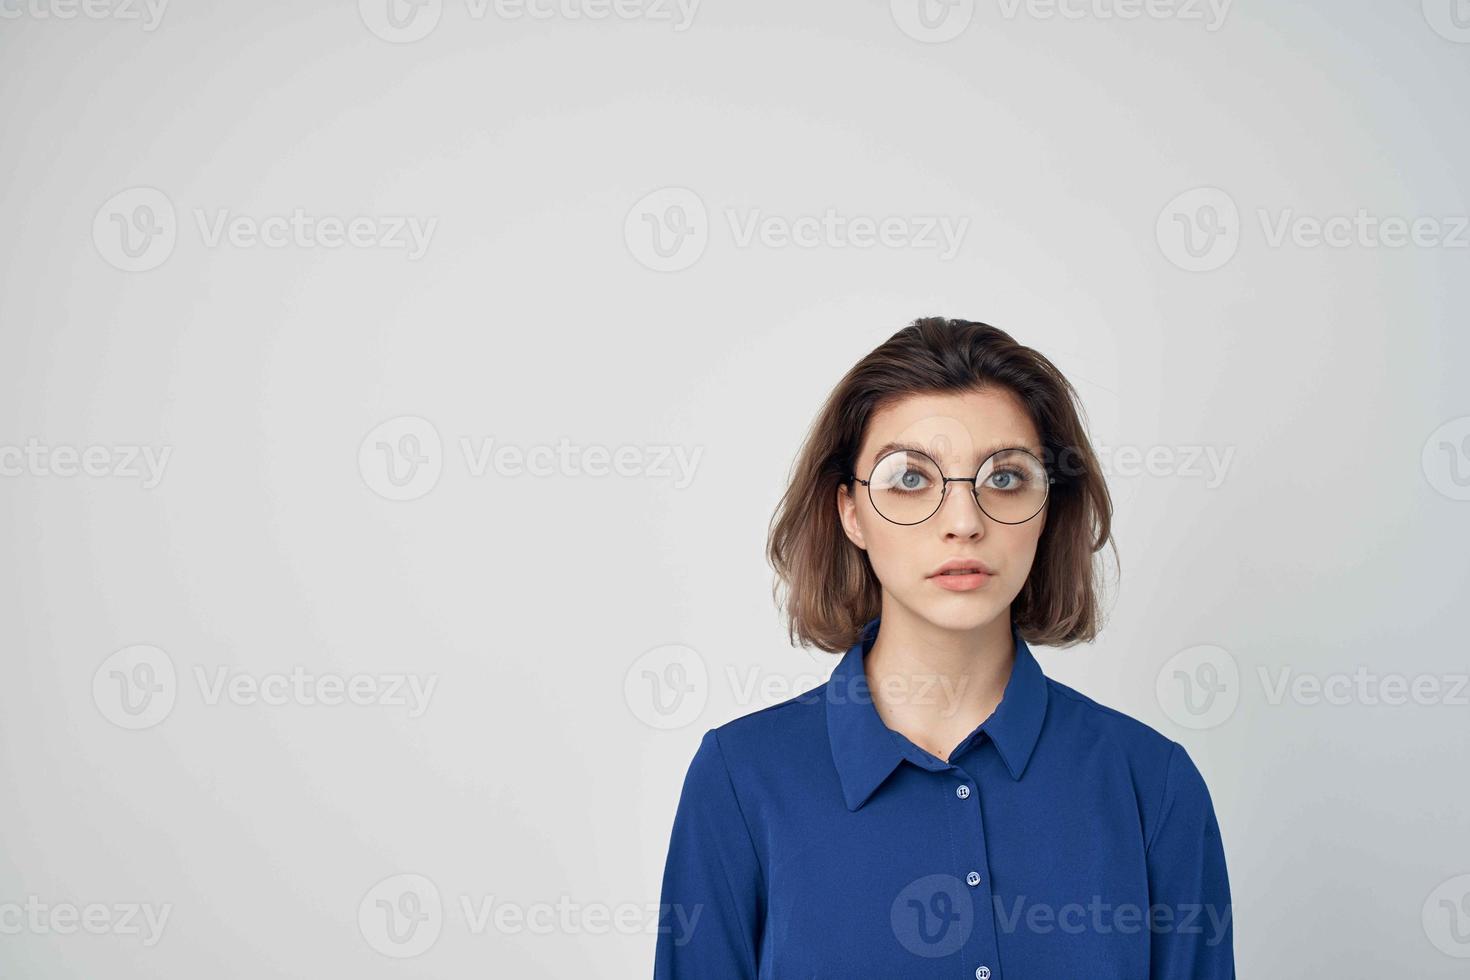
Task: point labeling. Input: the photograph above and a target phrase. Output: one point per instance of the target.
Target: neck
(934, 685)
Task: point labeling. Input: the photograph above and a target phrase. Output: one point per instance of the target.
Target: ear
(847, 514)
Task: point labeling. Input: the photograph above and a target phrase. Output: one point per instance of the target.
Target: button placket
(981, 949)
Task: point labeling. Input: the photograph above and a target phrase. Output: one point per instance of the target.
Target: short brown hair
(825, 583)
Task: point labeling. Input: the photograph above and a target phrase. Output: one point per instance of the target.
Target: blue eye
(1007, 480)
(912, 480)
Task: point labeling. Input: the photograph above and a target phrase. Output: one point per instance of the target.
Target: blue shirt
(1061, 840)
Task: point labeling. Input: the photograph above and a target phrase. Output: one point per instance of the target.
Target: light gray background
(543, 771)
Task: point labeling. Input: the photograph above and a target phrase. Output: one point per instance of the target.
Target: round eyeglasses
(907, 487)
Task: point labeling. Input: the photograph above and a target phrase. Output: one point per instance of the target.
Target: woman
(939, 807)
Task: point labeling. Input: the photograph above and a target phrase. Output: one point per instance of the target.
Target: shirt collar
(866, 750)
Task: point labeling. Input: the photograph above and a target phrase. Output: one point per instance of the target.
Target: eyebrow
(913, 447)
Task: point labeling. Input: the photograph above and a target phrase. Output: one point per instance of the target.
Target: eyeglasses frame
(974, 482)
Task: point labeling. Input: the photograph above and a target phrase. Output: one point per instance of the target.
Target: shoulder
(1075, 714)
(752, 735)
(765, 747)
(1162, 771)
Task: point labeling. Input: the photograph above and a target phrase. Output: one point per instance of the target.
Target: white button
(982, 973)
(973, 878)
(963, 792)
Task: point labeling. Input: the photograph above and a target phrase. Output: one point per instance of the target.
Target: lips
(962, 566)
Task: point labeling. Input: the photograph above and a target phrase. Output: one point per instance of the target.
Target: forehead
(962, 428)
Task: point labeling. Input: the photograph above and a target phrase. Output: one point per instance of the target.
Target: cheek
(1019, 549)
(886, 551)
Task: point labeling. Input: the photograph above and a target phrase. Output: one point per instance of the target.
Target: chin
(962, 612)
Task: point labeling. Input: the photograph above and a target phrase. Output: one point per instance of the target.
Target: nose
(959, 512)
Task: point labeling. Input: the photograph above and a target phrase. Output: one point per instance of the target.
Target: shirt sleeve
(712, 907)
(1190, 920)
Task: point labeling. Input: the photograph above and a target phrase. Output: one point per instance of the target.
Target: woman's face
(958, 431)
